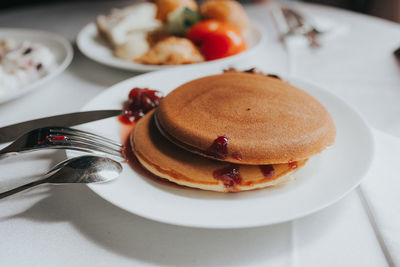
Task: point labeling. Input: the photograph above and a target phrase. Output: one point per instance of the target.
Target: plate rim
(138, 67)
(66, 61)
(368, 133)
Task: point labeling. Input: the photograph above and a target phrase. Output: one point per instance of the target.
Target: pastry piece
(228, 11)
(165, 7)
(136, 46)
(117, 26)
(172, 51)
(166, 160)
(245, 118)
(156, 36)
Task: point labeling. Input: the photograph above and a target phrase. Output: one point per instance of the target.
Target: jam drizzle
(229, 175)
(267, 170)
(292, 164)
(140, 101)
(220, 147)
(253, 71)
(274, 76)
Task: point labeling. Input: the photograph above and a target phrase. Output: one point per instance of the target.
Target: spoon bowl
(83, 170)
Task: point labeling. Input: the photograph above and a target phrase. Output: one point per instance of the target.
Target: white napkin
(381, 190)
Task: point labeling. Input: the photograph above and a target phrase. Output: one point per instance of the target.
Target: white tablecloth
(72, 226)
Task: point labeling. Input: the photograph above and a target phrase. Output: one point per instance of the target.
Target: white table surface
(72, 226)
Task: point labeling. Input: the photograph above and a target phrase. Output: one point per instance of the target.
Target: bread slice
(172, 51)
(116, 26)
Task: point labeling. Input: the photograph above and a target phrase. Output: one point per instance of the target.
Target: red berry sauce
(292, 164)
(219, 148)
(229, 175)
(140, 101)
(267, 170)
(274, 76)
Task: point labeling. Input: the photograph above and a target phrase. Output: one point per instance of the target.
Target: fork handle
(23, 187)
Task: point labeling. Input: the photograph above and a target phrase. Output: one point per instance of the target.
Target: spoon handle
(23, 187)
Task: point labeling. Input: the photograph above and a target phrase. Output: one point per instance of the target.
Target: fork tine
(75, 141)
(90, 148)
(63, 138)
(87, 140)
(80, 146)
(81, 138)
(84, 140)
(84, 134)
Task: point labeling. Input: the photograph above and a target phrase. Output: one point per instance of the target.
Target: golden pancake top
(245, 118)
(166, 160)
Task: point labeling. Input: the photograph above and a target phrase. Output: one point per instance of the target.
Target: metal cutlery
(63, 138)
(291, 22)
(84, 169)
(9, 133)
(298, 24)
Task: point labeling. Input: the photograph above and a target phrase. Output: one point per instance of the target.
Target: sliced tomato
(222, 43)
(197, 33)
(216, 39)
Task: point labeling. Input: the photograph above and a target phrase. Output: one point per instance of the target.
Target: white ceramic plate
(325, 179)
(58, 45)
(95, 48)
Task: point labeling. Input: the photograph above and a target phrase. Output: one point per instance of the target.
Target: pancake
(261, 119)
(166, 160)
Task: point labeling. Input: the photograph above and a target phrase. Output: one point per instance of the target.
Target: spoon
(83, 169)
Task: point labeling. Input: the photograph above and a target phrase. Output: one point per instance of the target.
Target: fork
(62, 138)
(298, 24)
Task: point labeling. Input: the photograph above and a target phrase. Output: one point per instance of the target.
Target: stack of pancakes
(232, 132)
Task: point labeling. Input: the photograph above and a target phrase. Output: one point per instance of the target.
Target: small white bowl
(58, 45)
